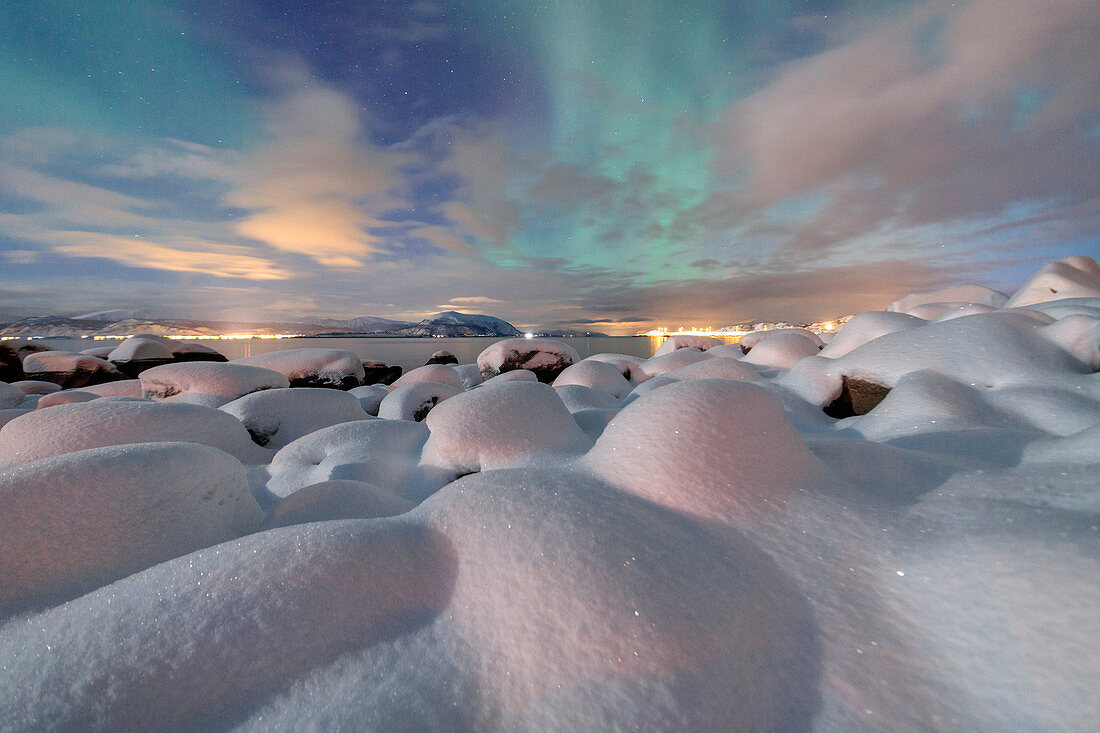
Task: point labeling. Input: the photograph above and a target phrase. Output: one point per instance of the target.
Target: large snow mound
(312, 367)
(383, 453)
(1073, 277)
(704, 447)
(209, 383)
(598, 375)
(507, 425)
(414, 400)
(104, 422)
(75, 522)
(439, 373)
(544, 357)
(276, 417)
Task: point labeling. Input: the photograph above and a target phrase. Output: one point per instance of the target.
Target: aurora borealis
(603, 164)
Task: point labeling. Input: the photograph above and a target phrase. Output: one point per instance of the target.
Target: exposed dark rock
(380, 373)
(11, 366)
(133, 367)
(857, 397)
(442, 357)
(200, 356)
(329, 381)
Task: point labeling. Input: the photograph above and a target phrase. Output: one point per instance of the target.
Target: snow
(598, 375)
(207, 383)
(140, 348)
(544, 357)
(414, 400)
(383, 453)
(370, 396)
(69, 370)
(508, 425)
(65, 397)
(710, 550)
(438, 373)
(35, 386)
(121, 388)
(75, 522)
(10, 396)
(672, 343)
(1073, 277)
(276, 417)
(311, 367)
(750, 340)
(105, 422)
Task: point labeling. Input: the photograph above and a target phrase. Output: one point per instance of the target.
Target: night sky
(603, 164)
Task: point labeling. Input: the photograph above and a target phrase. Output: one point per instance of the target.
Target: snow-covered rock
(782, 349)
(509, 425)
(599, 375)
(336, 499)
(658, 365)
(442, 357)
(65, 397)
(577, 397)
(138, 353)
(312, 367)
(208, 383)
(672, 343)
(276, 417)
(69, 370)
(439, 373)
(383, 453)
(750, 340)
(370, 396)
(718, 367)
(10, 396)
(1073, 277)
(625, 364)
(121, 388)
(469, 374)
(414, 401)
(516, 375)
(976, 294)
(74, 522)
(544, 357)
(31, 386)
(704, 448)
(104, 422)
(866, 327)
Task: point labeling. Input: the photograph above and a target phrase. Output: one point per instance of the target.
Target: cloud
(470, 301)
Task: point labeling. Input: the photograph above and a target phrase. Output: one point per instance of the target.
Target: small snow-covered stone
(413, 401)
(276, 417)
(74, 522)
(868, 327)
(718, 367)
(32, 386)
(442, 357)
(658, 365)
(782, 349)
(138, 353)
(508, 425)
(65, 397)
(578, 397)
(516, 375)
(104, 422)
(121, 388)
(623, 362)
(469, 374)
(370, 396)
(208, 383)
(750, 340)
(10, 396)
(544, 357)
(312, 367)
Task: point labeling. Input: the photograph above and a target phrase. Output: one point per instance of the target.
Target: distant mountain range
(122, 323)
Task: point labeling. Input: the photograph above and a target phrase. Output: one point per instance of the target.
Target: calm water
(408, 353)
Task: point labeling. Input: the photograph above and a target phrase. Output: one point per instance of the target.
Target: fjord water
(408, 353)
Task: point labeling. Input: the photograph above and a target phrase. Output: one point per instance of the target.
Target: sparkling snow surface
(683, 543)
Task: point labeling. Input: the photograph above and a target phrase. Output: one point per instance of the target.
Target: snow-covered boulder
(718, 367)
(208, 383)
(121, 388)
(370, 396)
(33, 386)
(312, 367)
(782, 349)
(69, 370)
(976, 294)
(413, 401)
(336, 499)
(1073, 277)
(104, 422)
(7, 414)
(195, 643)
(658, 365)
(383, 453)
(672, 343)
(705, 448)
(1078, 335)
(65, 397)
(191, 351)
(599, 375)
(438, 373)
(750, 340)
(99, 352)
(276, 417)
(516, 375)
(469, 374)
(508, 425)
(577, 397)
(544, 357)
(74, 522)
(623, 362)
(138, 353)
(868, 327)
